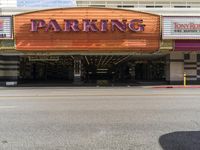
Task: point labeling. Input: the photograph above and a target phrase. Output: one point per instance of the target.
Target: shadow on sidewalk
(183, 140)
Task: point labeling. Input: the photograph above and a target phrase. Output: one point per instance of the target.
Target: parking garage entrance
(101, 38)
(92, 69)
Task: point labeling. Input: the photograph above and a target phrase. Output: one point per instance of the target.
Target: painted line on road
(7, 107)
(126, 95)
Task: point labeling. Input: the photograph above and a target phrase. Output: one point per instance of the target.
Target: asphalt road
(126, 118)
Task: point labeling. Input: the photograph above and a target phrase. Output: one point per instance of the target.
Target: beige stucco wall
(176, 66)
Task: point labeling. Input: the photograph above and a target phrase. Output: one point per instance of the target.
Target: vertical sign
(6, 27)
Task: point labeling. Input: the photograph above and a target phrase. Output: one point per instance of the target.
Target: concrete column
(190, 67)
(167, 68)
(77, 70)
(175, 67)
(9, 70)
(132, 71)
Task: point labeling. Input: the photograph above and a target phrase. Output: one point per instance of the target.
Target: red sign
(186, 26)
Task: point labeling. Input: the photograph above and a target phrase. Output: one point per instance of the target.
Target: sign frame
(168, 35)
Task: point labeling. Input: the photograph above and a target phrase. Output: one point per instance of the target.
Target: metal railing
(138, 4)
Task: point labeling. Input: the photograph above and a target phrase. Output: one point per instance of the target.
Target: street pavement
(99, 118)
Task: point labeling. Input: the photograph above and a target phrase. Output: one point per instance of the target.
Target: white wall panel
(180, 27)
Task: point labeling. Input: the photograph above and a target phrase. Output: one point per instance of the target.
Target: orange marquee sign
(87, 29)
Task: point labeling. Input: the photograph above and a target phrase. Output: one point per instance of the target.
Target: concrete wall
(175, 66)
(190, 67)
(9, 70)
(179, 63)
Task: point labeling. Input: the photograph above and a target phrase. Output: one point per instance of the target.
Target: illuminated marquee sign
(135, 25)
(87, 29)
(181, 27)
(5, 27)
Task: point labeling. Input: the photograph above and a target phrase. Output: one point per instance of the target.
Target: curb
(179, 86)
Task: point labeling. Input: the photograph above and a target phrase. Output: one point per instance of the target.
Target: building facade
(101, 42)
(8, 3)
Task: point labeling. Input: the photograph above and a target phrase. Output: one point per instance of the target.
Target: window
(149, 6)
(125, 6)
(154, 6)
(186, 56)
(181, 6)
(97, 5)
(198, 57)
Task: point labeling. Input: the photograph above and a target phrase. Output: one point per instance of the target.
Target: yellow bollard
(185, 79)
